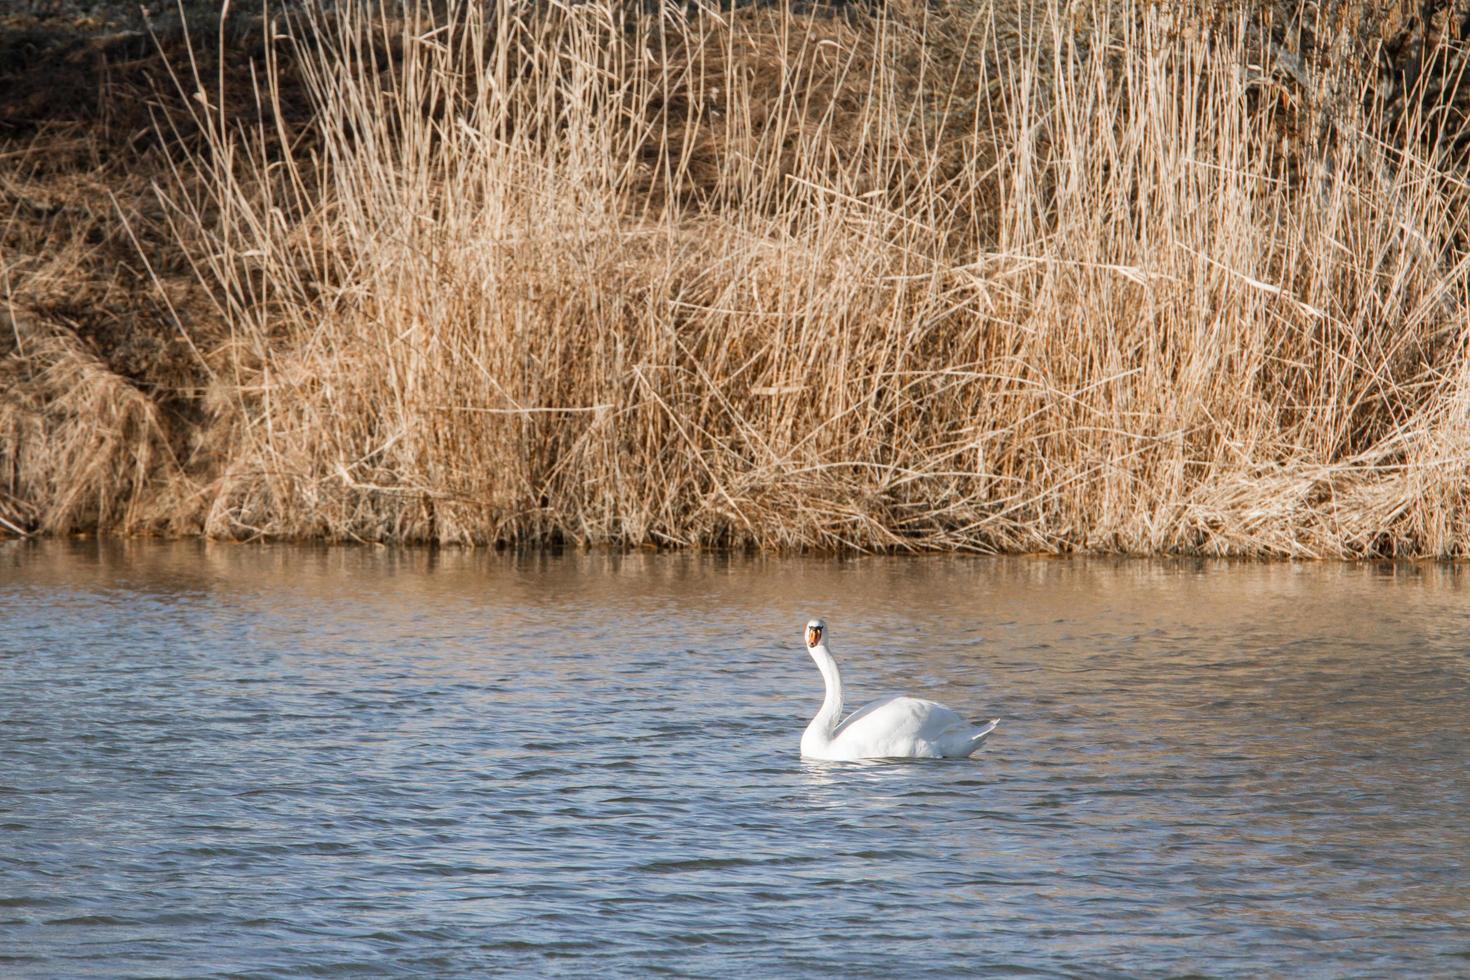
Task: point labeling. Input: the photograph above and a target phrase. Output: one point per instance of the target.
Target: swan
(894, 728)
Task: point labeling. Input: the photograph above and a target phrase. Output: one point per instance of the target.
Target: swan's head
(816, 632)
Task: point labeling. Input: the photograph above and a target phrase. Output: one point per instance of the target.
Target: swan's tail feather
(981, 734)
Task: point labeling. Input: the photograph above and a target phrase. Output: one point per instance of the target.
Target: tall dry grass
(1011, 275)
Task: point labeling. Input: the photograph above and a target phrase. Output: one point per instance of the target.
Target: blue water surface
(290, 761)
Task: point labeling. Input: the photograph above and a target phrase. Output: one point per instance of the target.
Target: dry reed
(1027, 276)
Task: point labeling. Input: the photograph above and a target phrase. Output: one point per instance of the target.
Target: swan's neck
(819, 732)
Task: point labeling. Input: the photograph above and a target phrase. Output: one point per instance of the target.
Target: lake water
(223, 759)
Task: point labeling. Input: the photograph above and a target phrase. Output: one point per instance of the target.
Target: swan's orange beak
(813, 635)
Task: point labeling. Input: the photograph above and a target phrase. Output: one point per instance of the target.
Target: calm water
(284, 761)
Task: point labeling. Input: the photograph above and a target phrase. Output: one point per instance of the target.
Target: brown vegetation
(986, 276)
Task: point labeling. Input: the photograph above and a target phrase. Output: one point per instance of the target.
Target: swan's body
(894, 728)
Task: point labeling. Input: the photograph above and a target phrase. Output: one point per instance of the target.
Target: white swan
(894, 728)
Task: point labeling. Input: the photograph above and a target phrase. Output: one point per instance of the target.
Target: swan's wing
(865, 711)
(901, 726)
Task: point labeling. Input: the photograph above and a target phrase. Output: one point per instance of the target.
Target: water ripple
(264, 762)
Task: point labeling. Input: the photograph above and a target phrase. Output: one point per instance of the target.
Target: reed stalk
(1038, 277)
